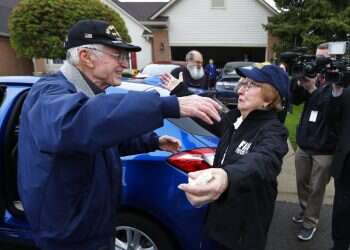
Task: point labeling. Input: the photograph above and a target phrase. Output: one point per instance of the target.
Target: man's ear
(85, 58)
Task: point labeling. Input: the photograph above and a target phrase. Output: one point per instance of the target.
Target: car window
(230, 68)
(158, 69)
(2, 93)
(190, 126)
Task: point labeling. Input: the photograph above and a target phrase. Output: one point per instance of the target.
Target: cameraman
(340, 169)
(316, 140)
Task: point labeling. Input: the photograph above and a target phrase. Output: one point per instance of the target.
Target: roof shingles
(6, 7)
(141, 11)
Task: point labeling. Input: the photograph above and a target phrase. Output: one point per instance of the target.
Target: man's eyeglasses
(248, 84)
(122, 56)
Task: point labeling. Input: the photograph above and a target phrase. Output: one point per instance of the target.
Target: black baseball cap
(96, 32)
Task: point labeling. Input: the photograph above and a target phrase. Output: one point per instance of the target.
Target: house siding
(239, 24)
(144, 57)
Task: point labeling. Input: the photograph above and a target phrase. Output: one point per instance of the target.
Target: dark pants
(341, 210)
(221, 247)
(212, 83)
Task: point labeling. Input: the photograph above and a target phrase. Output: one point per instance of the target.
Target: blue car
(154, 213)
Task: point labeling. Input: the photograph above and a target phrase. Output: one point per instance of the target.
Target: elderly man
(193, 75)
(72, 136)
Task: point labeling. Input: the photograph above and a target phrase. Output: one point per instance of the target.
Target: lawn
(291, 123)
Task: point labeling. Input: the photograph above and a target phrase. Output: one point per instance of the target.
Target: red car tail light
(193, 160)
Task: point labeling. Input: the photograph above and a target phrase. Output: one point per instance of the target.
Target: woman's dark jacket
(241, 217)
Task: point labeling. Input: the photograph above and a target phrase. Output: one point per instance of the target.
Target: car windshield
(158, 69)
(230, 68)
(189, 125)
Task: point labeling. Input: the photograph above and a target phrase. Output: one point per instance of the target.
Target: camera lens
(333, 77)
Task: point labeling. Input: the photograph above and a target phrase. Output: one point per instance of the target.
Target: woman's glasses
(247, 84)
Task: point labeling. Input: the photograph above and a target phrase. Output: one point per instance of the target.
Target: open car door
(2, 181)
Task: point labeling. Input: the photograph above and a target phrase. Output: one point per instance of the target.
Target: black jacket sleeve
(181, 90)
(298, 93)
(263, 163)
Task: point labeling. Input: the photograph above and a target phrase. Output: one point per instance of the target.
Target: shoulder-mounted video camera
(338, 71)
(336, 67)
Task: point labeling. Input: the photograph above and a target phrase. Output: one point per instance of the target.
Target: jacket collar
(74, 76)
(261, 115)
(254, 115)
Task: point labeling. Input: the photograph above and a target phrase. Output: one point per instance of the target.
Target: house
(139, 33)
(225, 30)
(10, 62)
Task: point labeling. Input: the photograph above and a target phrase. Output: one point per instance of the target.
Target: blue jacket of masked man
(70, 145)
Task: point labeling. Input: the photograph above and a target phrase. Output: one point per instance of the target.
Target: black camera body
(338, 71)
(336, 68)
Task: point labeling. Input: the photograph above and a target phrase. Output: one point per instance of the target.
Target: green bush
(38, 27)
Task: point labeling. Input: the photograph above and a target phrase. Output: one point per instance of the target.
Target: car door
(13, 98)
(2, 201)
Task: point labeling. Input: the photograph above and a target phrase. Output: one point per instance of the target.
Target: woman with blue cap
(241, 188)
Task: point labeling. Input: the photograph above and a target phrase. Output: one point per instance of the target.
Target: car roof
(127, 86)
(132, 86)
(179, 63)
(123, 88)
(239, 63)
(26, 80)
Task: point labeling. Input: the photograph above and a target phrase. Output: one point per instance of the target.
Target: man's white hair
(190, 55)
(72, 54)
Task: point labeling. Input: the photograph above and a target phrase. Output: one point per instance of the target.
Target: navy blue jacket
(69, 158)
(210, 70)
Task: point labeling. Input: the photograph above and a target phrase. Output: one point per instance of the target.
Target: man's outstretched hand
(203, 108)
(169, 144)
(169, 82)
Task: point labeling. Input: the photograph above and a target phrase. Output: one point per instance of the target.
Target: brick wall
(10, 63)
(160, 49)
(271, 40)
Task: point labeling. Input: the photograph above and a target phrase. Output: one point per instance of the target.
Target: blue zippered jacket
(69, 158)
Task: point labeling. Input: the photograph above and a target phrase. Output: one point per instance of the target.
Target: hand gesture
(169, 144)
(203, 108)
(200, 194)
(169, 82)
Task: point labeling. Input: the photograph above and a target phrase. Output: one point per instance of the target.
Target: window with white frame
(218, 4)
